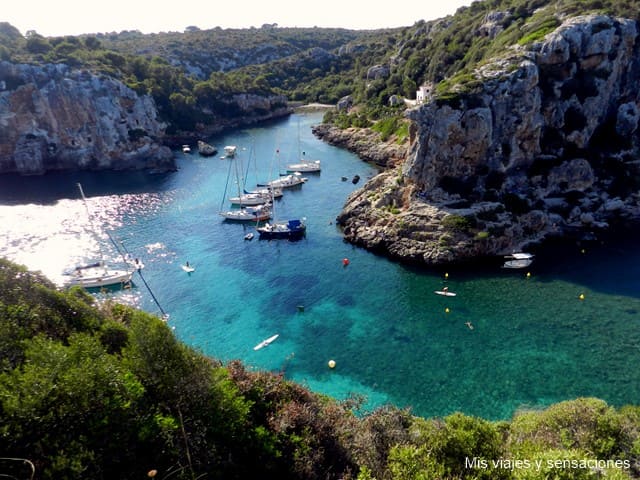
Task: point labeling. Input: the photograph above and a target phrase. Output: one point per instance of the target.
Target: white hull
(268, 191)
(522, 263)
(304, 167)
(250, 199)
(230, 151)
(247, 215)
(287, 181)
(98, 277)
(518, 260)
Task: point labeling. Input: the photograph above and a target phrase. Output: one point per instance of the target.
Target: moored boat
(285, 181)
(291, 230)
(230, 151)
(259, 213)
(518, 260)
(304, 166)
(99, 274)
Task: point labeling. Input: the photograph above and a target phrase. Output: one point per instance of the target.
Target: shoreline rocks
(363, 142)
(544, 147)
(55, 118)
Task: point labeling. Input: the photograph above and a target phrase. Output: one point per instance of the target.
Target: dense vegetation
(194, 75)
(105, 391)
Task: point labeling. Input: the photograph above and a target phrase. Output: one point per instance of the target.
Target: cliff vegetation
(103, 391)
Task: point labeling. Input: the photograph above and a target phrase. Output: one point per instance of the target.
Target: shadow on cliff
(49, 188)
(607, 264)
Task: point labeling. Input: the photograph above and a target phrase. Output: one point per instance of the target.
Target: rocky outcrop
(364, 142)
(543, 142)
(55, 118)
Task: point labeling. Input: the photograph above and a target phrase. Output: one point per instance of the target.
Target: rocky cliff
(56, 118)
(364, 142)
(541, 142)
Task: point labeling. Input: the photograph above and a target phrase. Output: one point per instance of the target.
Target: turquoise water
(533, 340)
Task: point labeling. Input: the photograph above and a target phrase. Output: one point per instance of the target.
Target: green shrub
(456, 223)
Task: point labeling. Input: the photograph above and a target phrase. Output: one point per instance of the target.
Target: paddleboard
(188, 269)
(446, 294)
(266, 342)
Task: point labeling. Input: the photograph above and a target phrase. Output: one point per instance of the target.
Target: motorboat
(230, 151)
(518, 260)
(291, 229)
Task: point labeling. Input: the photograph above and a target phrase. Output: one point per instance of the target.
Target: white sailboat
(303, 165)
(285, 181)
(293, 229)
(97, 274)
(253, 207)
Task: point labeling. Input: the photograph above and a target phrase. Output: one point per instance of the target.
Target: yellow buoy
(446, 275)
(446, 310)
(332, 364)
(581, 297)
(528, 274)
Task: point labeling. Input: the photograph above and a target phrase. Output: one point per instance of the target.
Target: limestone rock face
(56, 118)
(544, 143)
(364, 142)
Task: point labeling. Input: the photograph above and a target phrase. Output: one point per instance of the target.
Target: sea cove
(534, 341)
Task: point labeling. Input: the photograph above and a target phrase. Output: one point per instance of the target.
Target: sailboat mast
(226, 185)
(91, 223)
(238, 181)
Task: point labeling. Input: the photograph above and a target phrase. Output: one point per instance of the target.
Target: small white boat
(186, 149)
(521, 263)
(518, 260)
(249, 236)
(230, 151)
(266, 342)
(188, 268)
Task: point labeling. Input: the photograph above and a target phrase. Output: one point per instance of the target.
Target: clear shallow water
(534, 341)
